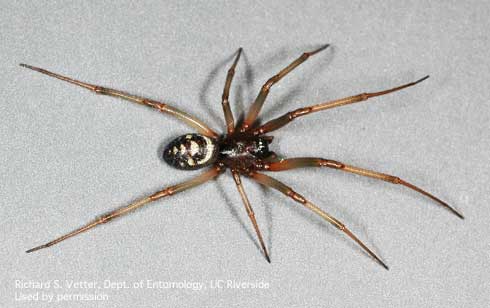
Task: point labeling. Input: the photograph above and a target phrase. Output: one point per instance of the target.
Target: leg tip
(29, 66)
(457, 214)
(36, 248)
(422, 79)
(319, 49)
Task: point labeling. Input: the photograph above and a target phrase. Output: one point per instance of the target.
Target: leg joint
(244, 127)
(270, 83)
(106, 218)
(98, 89)
(395, 180)
(154, 104)
(264, 166)
(299, 112)
(295, 196)
(259, 131)
(161, 194)
(331, 164)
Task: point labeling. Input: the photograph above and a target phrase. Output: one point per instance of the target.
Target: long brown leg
(188, 119)
(250, 212)
(273, 183)
(259, 101)
(290, 116)
(230, 122)
(212, 173)
(301, 162)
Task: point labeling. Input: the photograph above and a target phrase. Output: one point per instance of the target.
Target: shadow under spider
(234, 213)
(212, 79)
(278, 59)
(240, 104)
(323, 226)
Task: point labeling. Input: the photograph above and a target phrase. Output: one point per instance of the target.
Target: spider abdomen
(190, 152)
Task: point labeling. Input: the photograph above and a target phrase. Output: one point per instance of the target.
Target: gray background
(68, 155)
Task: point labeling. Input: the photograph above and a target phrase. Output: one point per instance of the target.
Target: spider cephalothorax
(245, 153)
(244, 149)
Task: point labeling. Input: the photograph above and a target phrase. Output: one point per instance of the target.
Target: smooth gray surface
(68, 156)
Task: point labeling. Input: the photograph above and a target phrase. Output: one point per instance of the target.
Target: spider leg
(301, 162)
(259, 101)
(290, 116)
(273, 183)
(188, 119)
(230, 122)
(210, 174)
(250, 212)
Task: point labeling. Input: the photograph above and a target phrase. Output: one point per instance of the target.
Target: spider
(244, 149)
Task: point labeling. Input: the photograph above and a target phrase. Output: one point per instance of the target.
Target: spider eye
(190, 152)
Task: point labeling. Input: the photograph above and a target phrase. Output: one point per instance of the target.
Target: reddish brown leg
(250, 212)
(259, 101)
(210, 174)
(230, 122)
(188, 119)
(290, 116)
(301, 162)
(273, 183)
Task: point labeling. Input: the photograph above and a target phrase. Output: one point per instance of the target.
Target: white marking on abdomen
(194, 148)
(182, 149)
(209, 150)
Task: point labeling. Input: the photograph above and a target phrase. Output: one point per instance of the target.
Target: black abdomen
(190, 152)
